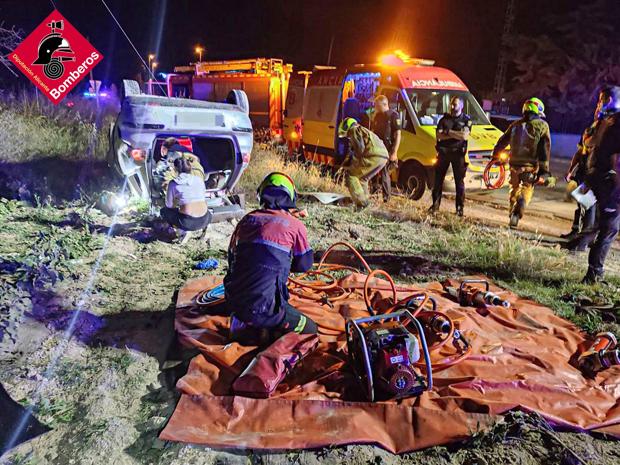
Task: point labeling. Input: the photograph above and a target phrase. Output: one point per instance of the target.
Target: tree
(566, 65)
(9, 40)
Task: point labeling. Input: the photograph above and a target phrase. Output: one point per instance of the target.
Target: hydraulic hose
(448, 361)
(315, 285)
(367, 288)
(351, 248)
(486, 176)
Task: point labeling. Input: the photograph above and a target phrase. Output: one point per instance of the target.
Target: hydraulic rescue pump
(383, 351)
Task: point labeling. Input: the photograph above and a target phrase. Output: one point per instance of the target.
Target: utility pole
(502, 61)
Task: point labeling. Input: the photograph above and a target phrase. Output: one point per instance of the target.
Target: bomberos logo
(57, 51)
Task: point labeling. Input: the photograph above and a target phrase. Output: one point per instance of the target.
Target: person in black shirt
(453, 132)
(584, 218)
(386, 125)
(603, 177)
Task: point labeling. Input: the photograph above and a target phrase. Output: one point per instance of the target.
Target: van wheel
(412, 180)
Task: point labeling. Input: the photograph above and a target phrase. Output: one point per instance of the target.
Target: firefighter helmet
(534, 105)
(345, 125)
(48, 47)
(51, 50)
(279, 180)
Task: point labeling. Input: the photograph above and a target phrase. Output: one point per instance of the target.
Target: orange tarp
(521, 359)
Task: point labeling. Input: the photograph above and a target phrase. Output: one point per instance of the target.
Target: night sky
(462, 35)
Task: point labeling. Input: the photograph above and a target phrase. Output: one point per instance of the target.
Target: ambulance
(418, 91)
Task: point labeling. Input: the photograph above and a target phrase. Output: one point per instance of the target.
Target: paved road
(549, 214)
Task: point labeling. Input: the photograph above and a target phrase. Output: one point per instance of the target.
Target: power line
(134, 47)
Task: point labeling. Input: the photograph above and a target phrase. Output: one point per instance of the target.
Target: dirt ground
(107, 391)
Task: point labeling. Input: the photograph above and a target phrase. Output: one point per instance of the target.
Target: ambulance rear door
(293, 109)
(320, 115)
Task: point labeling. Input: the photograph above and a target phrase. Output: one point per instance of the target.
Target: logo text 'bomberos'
(60, 52)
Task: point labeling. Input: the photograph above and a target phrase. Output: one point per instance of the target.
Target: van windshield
(430, 105)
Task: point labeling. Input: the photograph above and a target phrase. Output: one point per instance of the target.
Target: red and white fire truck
(264, 80)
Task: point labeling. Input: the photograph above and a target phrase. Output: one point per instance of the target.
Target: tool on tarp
(382, 353)
(384, 350)
(600, 355)
(468, 295)
(267, 370)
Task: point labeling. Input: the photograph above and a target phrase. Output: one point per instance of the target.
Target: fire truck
(264, 80)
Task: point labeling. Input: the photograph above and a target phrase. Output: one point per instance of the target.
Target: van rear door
(319, 119)
(294, 106)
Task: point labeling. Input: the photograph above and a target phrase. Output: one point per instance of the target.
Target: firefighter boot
(592, 277)
(517, 212)
(247, 335)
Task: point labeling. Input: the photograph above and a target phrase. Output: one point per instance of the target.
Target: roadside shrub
(33, 128)
(307, 177)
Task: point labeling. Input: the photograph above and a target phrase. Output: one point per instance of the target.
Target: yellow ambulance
(418, 91)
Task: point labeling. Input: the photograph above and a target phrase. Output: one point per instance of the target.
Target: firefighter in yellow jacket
(530, 151)
(367, 157)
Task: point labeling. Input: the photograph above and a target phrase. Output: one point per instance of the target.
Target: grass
(307, 177)
(111, 396)
(32, 129)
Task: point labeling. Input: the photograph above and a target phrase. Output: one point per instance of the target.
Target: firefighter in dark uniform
(386, 124)
(453, 132)
(585, 218)
(603, 177)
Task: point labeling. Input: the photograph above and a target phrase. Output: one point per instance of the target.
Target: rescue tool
(469, 296)
(601, 354)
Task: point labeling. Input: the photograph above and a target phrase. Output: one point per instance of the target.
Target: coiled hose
(325, 289)
(486, 175)
(328, 291)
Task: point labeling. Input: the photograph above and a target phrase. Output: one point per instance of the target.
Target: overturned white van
(219, 134)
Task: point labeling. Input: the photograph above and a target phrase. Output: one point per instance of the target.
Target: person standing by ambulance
(453, 132)
(386, 125)
(530, 151)
(366, 157)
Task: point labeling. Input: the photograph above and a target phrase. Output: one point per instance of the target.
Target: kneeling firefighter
(165, 170)
(266, 246)
(530, 150)
(367, 157)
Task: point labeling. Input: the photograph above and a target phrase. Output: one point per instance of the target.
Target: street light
(199, 51)
(152, 66)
